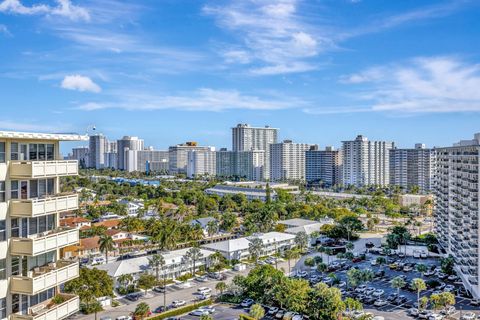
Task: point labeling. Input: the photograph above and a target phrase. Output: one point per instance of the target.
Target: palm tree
(157, 262)
(301, 240)
(397, 283)
(255, 248)
(257, 311)
(142, 310)
(212, 227)
(193, 254)
(125, 279)
(106, 245)
(349, 246)
(289, 255)
(221, 286)
(422, 268)
(418, 285)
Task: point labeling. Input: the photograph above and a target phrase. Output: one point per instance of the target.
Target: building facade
(323, 168)
(146, 160)
(125, 144)
(248, 138)
(32, 268)
(178, 156)
(412, 167)
(366, 162)
(201, 163)
(457, 213)
(287, 160)
(80, 154)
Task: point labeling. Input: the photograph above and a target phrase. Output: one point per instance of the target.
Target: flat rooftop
(42, 136)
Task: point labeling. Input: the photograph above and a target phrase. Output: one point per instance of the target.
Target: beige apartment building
(32, 268)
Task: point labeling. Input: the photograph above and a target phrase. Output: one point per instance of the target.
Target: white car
(378, 293)
(178, 303)
(373, 262)
(199, 313)
(204, 290)
(361, 288)
(468, 316)
(202, 278)
(123, 318)
(209, 309)
(435, 316)
(423, 255)
(302, 274)
(413, 312)
(380, 303)
(449, 310)
(449, 288)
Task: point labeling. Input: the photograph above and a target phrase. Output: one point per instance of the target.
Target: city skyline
(322, 72)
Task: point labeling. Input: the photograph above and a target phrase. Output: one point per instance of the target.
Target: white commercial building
(146, 160)
(323, 167)
(201, 163)
(412, 167)
(287, 160)
(457, 212)
(248, 138)
(366, 162)
(178, 156)
(32, 269)
(250, 193)
(237, 249)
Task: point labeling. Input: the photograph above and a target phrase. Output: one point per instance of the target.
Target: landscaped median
(181, 310)
(245, 317)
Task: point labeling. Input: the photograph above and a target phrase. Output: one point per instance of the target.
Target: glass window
(14, 151)
(3, 308)
(50, 151)
(15, 227)
(15, 265)
(3, 234)
(32, 154)
(3, 269)
(2, 191)
(14, 189)
(42, 224)
(50, 186)
(50, 222)
(42, 188)
(32, 226)
(2, 152)
(33, 189)
(42, 154)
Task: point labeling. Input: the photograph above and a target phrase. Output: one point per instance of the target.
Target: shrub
(181, 310)
(185, 277)
(245, 317)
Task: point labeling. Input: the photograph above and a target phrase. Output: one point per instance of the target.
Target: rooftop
(42, 136)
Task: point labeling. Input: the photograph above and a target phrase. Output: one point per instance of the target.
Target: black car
(133, 296)
(370, 300)
(392, 297)
(400, 300)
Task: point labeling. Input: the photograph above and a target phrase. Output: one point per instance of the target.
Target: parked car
(424, 255)
(247, 303)
(202, 278)
(468, 316)
(435, 316)
(203, 290)
(449, 288)
(272, 311)
(449, 310)
(199, 313)
(452, 278)
(178, 303)
(133, 296)
(209, 309)
(424, 314)
(279, 314)
(377, 293)
(158, 310)
(159, 289)
(475, 302)
(413, 312)
(380, 303)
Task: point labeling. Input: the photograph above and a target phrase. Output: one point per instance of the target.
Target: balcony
(44, 242)
(48, 310)
(43, 169)
(43, 278)
(35, 207)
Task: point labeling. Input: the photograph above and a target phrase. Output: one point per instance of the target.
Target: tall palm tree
(157, 262)
(289, 255)
(255, 248)
(142, 310)
(125, 279)
(418, 285)
(212, 227)
(193, 254)
(106, 245)
(397, 283)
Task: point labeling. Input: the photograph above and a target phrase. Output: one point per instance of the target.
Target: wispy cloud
(422, 85)
(80, 83)
(204, 99)
(64, 8)
(34, 126)
(272, 36)
(4, 30)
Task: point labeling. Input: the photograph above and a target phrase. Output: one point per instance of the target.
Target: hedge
(181, 310)
(245, 317)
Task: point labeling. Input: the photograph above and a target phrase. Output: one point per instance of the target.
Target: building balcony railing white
(49, 310)
(35, 207)
(46, 277)
(42, 169)
(44, 242)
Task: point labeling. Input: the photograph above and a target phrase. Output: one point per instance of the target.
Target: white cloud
(80, 83)
(4, 30)
(272, 37)
(203, 99)
(64, 8)
(428, 85)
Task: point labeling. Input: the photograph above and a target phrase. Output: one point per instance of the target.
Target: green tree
(423, 303)
(322, 267)
(106, 245)
(325, 303)
(418, 285)
(157, 262)
(212, 227)
(352, 304)
(282, 293)
(221, 287)
(309, 262)
(290, 255)
(228, 221)
(206, 317)
(397, 283)
(142, 310)
(257, 311)
(422, 268)
(255, 249)
(146, 281)
(442, 300)
(125, 280)
(301, 240)
(194, 254)
(447, 264)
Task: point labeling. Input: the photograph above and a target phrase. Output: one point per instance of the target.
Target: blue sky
(170, 70)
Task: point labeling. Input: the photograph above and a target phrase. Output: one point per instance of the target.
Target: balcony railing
(41, 243)
(43, 278)
(48, 310)
(41, 206)
(42, 169)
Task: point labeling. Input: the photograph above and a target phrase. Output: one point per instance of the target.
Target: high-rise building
(366, 162)
(412, 167)
(178, 156)
(248, 165)
(323, 168)
(32, 266)
(141, 160)
(457, 213)
(124, 144)
(80, 154)
(287, 160)
(98, 146)
(226, 162)
(201, 163)
(247, 138)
